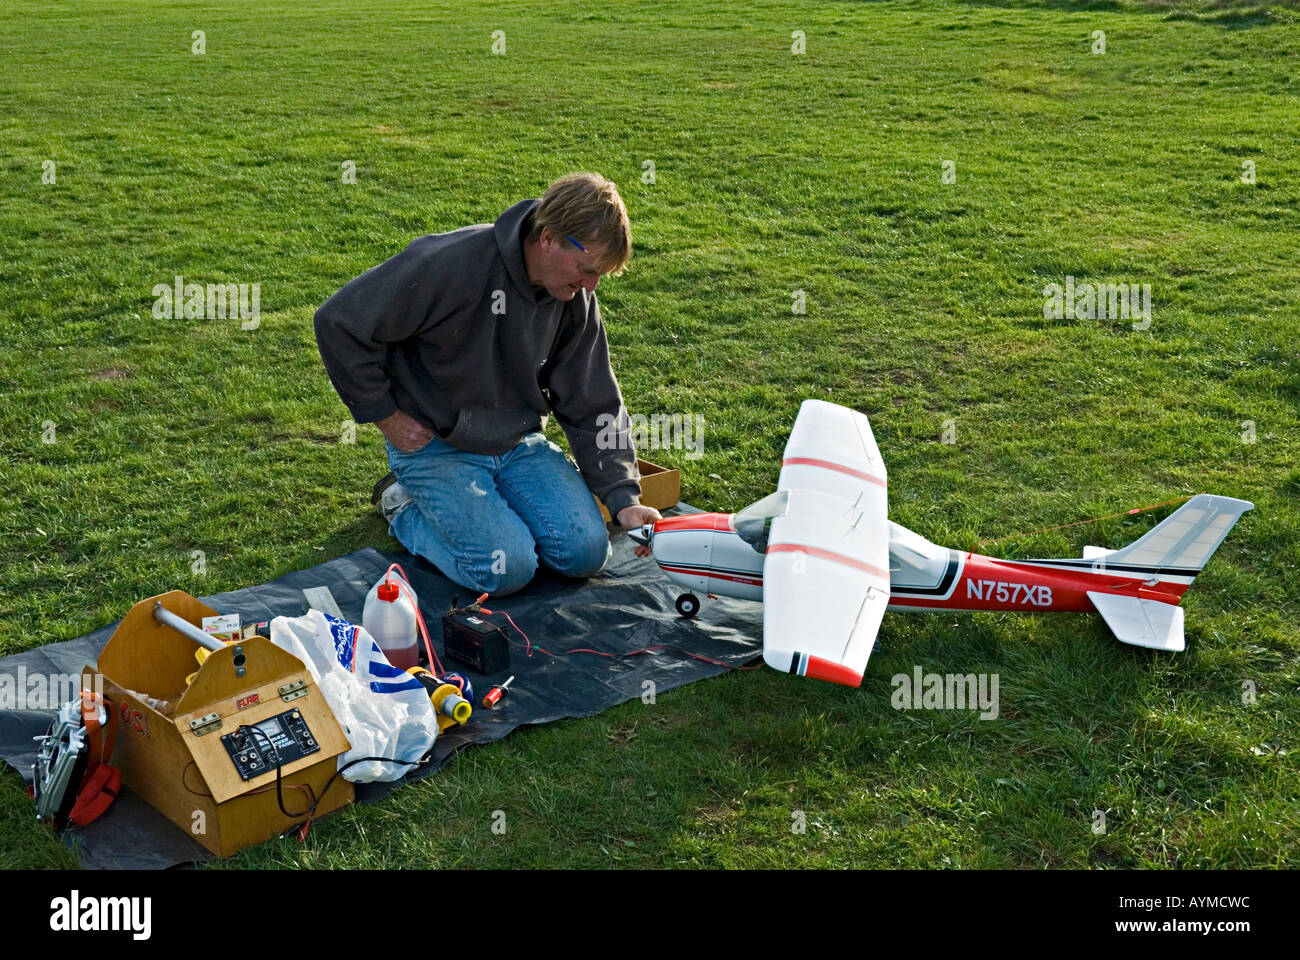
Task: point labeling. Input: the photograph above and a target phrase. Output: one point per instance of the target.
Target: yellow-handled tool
(450, 707)
(201, 654)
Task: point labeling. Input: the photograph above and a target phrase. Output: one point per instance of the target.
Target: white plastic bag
(385, 712)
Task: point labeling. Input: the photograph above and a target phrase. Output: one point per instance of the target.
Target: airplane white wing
(832, 450)
(826, 571)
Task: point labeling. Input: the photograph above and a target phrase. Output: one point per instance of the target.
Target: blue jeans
(487, 521)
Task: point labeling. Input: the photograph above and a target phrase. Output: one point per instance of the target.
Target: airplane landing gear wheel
(688, 605)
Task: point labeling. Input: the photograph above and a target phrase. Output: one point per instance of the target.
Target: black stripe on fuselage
(945, 582)
(705, 569)
(1099, 565)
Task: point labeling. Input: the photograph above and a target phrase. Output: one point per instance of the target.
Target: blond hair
(587, 207)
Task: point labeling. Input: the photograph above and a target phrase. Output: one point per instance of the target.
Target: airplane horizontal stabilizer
(1143, 623)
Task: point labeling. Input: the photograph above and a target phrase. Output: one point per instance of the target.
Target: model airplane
(826, 560)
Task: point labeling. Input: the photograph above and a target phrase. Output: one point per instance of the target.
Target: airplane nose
(643, 534)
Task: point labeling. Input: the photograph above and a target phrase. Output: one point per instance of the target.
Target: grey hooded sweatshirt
(452, 332)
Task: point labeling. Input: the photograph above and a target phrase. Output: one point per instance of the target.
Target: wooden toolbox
(184, 762)
(661, 487)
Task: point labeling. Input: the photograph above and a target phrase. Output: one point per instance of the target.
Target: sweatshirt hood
(510, 241)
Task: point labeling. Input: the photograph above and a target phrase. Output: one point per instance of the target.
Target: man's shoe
(390, 497)
(388, 480)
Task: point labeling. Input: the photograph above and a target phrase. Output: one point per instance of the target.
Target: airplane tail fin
(1181, 544)
(1171, 553)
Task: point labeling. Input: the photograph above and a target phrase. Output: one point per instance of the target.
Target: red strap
(101, 781)
(98, 792)
(99, 743)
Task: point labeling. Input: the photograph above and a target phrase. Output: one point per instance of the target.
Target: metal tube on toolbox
(163, 615)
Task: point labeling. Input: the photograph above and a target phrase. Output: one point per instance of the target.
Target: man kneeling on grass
(456, 349)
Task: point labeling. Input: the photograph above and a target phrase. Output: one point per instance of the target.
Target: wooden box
(661, 488)
(177, 762)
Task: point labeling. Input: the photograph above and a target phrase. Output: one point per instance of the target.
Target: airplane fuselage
(705, 553)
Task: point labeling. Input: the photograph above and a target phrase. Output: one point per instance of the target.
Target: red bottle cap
(388, 591)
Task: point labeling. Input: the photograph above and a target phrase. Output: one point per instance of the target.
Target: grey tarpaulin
(629, 606)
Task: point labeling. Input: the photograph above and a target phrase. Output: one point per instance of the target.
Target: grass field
(130, 442)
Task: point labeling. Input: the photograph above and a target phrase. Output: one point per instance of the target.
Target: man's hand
(404, 432)
(629, 518)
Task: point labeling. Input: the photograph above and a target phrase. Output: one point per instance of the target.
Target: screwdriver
(494, 695)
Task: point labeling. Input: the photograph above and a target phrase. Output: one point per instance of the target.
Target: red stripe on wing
(831, 556)
(828, 465)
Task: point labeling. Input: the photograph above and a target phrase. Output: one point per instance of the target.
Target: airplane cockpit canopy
(913, 560)
(754, 523)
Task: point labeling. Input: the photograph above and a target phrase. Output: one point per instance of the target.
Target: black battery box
(477, 643)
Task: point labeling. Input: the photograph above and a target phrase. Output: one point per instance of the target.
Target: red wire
(435, 665)
(602, 653)
(1079, 523)
(528, 644)
(634, 653)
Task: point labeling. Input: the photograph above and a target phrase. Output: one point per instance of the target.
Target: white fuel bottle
(390, 617)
